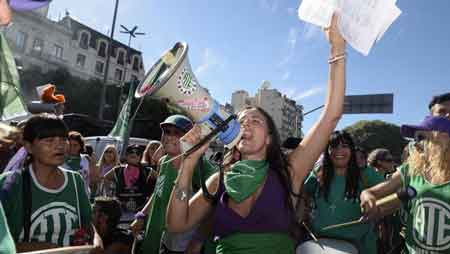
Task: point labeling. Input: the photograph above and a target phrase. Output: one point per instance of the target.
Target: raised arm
(303, 157)
(184, 213)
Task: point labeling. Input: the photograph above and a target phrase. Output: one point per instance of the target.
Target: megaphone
(171, 78)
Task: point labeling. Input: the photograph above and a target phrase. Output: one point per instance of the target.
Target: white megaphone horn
(171, 78)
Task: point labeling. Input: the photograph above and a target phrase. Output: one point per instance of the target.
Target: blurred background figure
(381, 161)
(361, 157)
(130, 183)
(106, 218)
(150, 163)
(108, 160)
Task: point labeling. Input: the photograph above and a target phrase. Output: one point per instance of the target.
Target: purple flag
(27, 5)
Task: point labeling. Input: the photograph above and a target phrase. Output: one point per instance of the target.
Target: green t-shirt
(55, 214)
(6, 242)
(428, 215)
(156, 223)
(340, 210)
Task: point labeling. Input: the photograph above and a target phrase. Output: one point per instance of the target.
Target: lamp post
(105, 76)
(132, 34)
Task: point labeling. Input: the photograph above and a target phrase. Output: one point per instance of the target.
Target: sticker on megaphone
(171, 78)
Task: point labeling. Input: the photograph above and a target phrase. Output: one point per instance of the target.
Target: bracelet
(140, 215)
(337, 58)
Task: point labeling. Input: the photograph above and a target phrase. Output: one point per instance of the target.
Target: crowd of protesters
(261, 196)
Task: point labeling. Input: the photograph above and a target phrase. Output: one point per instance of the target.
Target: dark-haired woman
(254, 213)
(335, 194)
(45, 205)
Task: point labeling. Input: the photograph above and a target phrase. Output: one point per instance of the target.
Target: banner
(11, 102)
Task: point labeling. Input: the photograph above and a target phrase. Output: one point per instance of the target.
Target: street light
(132, 33)
(105, 76)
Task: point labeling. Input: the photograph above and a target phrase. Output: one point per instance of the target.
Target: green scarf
(74, 162)
(244, 178)
(256, 243)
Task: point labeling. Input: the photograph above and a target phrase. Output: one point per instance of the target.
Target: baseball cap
(27, 5)
(179, 121)
(430, 123)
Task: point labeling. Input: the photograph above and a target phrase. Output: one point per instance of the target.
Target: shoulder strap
(26, 199)
(78, 199)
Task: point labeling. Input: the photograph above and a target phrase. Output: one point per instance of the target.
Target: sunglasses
(134, 152)
(109, 151)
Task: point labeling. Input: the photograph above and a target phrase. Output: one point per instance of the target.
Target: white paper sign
(361, 22)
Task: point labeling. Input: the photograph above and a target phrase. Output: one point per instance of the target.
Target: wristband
(140, 215)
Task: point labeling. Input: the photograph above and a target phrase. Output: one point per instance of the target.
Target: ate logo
(159, 185)
(431, 224)
(52, 218)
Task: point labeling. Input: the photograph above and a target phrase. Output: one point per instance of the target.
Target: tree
(378, 134)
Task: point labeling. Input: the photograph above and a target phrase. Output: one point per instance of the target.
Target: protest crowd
(263, 195)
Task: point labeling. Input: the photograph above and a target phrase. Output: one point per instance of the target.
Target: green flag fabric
(122, 123)
(12, 104)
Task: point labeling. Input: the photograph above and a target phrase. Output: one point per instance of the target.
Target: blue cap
(179, 121)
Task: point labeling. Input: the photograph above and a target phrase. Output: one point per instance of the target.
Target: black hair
(277, 160)
(353, 175)
(109, 206)
(291, 142)
(438, 99)
(44, 126)
(75, 135)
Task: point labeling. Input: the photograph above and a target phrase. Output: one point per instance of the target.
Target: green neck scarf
(244, 178)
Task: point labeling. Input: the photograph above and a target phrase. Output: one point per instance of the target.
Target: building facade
(38, 42)
(287, 115)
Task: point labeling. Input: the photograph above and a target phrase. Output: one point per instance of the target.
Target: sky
(237, 44)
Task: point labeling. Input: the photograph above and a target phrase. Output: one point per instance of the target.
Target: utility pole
(109, 51)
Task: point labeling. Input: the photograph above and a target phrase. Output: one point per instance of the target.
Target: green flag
(122, 123)
(11, 103)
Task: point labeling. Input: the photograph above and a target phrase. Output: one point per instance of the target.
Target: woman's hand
(333, 35)
(137, 226)
(368, 204)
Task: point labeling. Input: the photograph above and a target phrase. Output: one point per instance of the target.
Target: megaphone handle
(211, 135)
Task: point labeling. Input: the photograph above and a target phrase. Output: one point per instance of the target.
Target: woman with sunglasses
(254, 212)
(335, 192)
(129, 181)
(427, 170)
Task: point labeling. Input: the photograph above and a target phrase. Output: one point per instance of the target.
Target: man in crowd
(440, 105)
(156, 236)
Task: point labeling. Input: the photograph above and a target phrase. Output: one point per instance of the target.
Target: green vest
(428, 215)
(156, 223)
(55, 214)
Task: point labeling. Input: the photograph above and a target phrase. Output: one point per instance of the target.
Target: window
(38, 46)
(57, 51)
(135, 63)
(81, 60)
(84, 40)
(21, 39)
(102, 49)
(120, 58)
(118, 74)
(99, 67)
